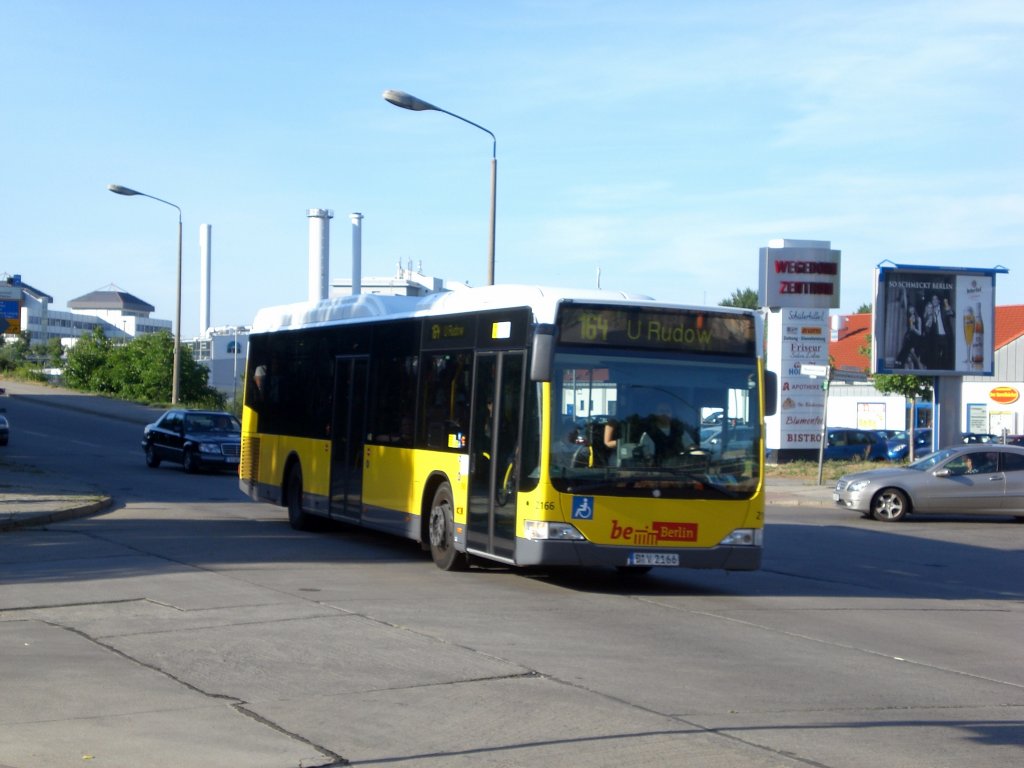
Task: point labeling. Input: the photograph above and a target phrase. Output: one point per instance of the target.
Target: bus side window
(445, 412)
(393, 401)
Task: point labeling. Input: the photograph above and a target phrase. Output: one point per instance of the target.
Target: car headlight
(209, 447)
(857, 485)
(539, 530)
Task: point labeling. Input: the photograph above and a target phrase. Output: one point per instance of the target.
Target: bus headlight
(538, 530)
(744, 537)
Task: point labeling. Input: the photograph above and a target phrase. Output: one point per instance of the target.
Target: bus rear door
(348, 433)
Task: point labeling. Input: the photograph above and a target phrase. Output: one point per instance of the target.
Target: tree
(53, 351)
(910, 386)
(140, 369)
(14, 354)
(745, 298)
(86, 360)
(863, 309)
(143, 367)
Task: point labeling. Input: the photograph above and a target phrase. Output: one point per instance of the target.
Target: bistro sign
(1004, 395)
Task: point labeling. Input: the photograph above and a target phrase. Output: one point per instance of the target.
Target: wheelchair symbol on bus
(582, 507)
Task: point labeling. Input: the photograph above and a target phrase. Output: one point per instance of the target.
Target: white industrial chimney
(357, 253)
(319, 251)
(204, 278)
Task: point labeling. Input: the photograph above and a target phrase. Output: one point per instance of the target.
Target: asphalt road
(190, 626)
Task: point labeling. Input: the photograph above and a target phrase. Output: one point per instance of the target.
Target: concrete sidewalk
(32, 496)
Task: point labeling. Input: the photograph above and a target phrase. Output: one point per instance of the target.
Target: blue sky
(658, 143)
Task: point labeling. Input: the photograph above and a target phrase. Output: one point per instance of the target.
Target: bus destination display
(682, 330)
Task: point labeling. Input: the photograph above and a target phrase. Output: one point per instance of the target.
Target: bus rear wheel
(441, 528)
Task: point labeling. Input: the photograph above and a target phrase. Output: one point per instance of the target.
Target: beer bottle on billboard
(978, 342)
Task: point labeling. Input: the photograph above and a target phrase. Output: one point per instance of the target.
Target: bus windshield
(642, 424)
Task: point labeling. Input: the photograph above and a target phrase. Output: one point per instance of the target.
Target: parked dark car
(897, 443)
(980, 437)
(922, 442)
(846, 444)
(967, 479)
(893, 434)
(195, 439)
(5, 430)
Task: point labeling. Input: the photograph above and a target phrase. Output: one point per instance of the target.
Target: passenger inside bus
(665, 438)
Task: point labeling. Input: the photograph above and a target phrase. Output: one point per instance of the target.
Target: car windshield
(931, 460)
(627, 424)
(212, 422)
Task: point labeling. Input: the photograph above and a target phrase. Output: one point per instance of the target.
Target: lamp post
(117, 189)
(408, 101)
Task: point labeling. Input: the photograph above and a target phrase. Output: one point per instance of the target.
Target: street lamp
(117, 189)
(408, 101)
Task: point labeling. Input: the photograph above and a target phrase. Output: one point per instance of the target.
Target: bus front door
(347, 436)
(494, 470)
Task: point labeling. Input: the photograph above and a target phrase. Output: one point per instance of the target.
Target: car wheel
(442, 531)
(890, 505)
(298, 518)
(190, 461)
(152, 460)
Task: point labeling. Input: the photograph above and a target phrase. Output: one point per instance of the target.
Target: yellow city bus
(518, 424)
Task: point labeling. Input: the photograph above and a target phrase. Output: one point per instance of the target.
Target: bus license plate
(654, 558)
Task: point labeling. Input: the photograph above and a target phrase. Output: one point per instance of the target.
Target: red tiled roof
(845, 351)
(1009, 324)
(854, 336)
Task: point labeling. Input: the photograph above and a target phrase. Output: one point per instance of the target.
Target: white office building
(223, 352)
(120, 314)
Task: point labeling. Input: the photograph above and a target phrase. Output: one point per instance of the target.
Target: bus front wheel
(442, 531)
(297, 518)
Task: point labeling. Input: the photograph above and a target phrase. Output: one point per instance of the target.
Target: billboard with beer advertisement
(933, 321)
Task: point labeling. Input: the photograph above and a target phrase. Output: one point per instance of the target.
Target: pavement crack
(234, 702)
(334, 757)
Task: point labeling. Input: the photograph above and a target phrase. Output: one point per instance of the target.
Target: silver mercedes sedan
(981, 478)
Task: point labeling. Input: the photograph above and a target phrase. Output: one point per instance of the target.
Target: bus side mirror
(771, 393)
(543, 352)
